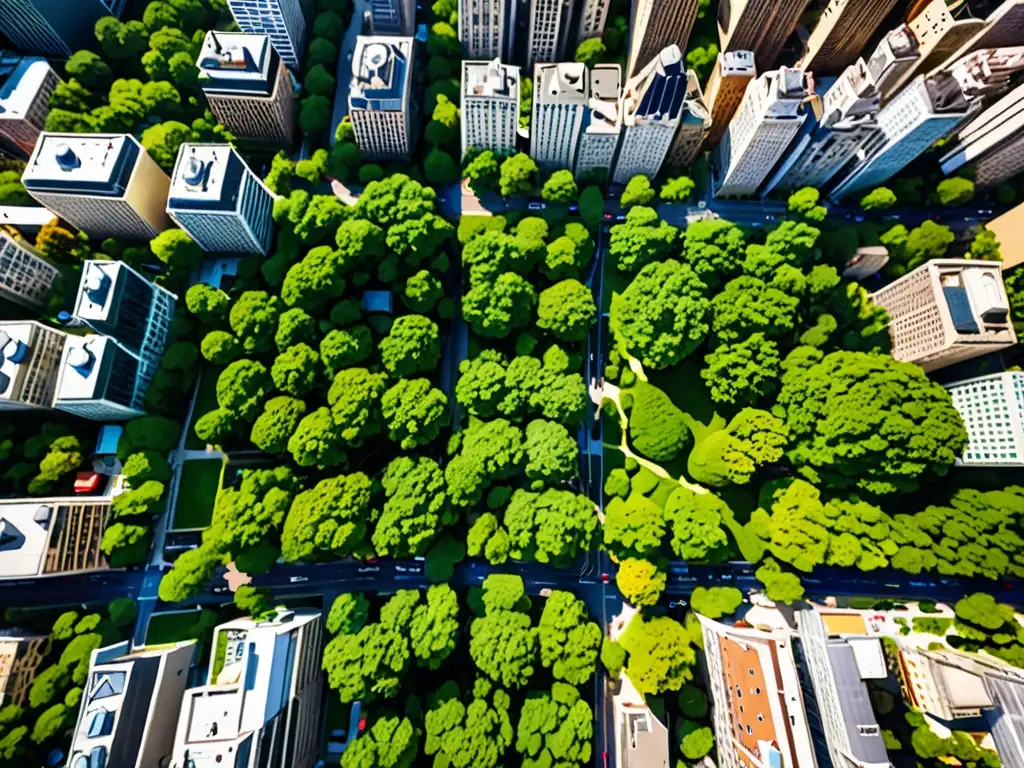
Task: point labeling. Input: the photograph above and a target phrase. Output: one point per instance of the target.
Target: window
(749, 730)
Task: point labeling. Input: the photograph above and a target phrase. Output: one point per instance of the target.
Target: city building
(1003, 28)
(992, 408)
(21, 655)
(769, 118)
(490, 106)
(106, 185)
(655, 25)
(129, 706)
(602, 124)
(842, 32)
(838, 669)
(651, 110)
(694, 124)
(101, 380)
(549, 28)
(761, 26)
(393, 17)
(29, 360)
(593, 16)
(380, 101)
(219, 201)
(844, 119)
(993, 142)
(866, 261)
(895, 55)
(26, 277)
(560, 94)
(641, 739)
(54, 28)
(485, 28)
(947, 310)
(51, 536)
(726, 86)
(940, 30)
(25, 88)
(757, 705)
(1009, 231)
(262, 703)
(247, 86)
(281, 20)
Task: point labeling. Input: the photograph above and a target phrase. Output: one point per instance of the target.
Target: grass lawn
(206, 401)
(170, 627)
(200, 481)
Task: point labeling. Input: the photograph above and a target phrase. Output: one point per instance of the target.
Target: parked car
(298, 579)
(537, 206)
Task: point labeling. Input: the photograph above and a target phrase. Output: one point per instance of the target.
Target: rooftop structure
(939, 29)
(602, 123)
(760, 26)
(49, 537)
(490, 106)
(893, 58)
(21, 655)
(1003, 28)
(99, 379)
(52, 27)
(726, 86)
(380, 99)
(641, 739)
(560, 94)
(992, 409)
(25, 88)
(26, 277)
(281, 20)
(694, 124)
(29, 360)
(993, 142)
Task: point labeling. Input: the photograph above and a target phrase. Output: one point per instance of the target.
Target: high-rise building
(940, 30)
(100, 380)
(895, 55)
(761, 26)
(281, 20)
(641, 739)
(655, 25)
(21, 655)
(993, 142)
(846, 120)
(490, 106)
(694, 124)
(41, 537)
(219, 201)
(842, 31)
(560, 95)
(106, 185)
(947, 310)
(393, 17)
(262, 703)
(26, 277)
(549, 28)
(54, 27)
(769, 118)
(992, 409)
(485, 28)
(29, 361)
(380, 101)
(25, 88)
(129, 705)
(602, 125)
(593, 16)
(651, 109)
(726, 86)
(1003, 28)
(247, 86)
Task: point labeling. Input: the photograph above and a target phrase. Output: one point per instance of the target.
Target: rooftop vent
(97, 285)
(82, 360)
(194, 170)
(66, 158)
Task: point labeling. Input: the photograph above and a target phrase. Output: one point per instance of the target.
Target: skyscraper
(484, 28)
(895, 55)
(992, 409)
(761, 26)
(1003, 28)
(393, 17)
(490, 106)
(602, 125)
(219, 201)
(106, 185)
(694, 124)
(247, 86)
(25, 88)
(549, 28)
(560, 94)
(592, 19)
(655, 25)
(26, 277)
(29, 362)
(947, 310)
(768, 120)
(651, 109)
(281, 20)
(726, 86)
(842, 31)
(380, 102)
(940, 29)
(54, 27)
(993, 142)
(100, 380)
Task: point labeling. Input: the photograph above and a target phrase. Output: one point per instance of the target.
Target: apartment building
(841, 34)
(106, 185)
(26, 277)
(280, 20)
(940, 29)
(1003, 28)
(26, 85)
(992, 142)
(380, 100)
(728, 82)
(393, 17)
(560, 93)
(593, 17)
(21, 655)
(54, 28)
(485, 28)
(947, 310)
(894, 57)
(760, 26)
(992, 409)
(42, 536)
(100, 380)
(655, 25)
(490, 106)
(548, 32)
(30, 355)
(247, 86)
(641, 739)
(694, 124)
(602, 124)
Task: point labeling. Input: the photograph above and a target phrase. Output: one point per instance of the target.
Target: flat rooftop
(206, 177)
(563, 83)
(82, 163)
(236, 62)
(24, 536)
(96, 291)
(490, 78)
(16, 348)
(84, 366)
(381, 70)
(606, 82)
(19, 87)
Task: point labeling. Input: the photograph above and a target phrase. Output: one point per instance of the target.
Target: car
(609, 217)
(769, 217)
(536, 206)
(219, 590)
(605, 578)
(401, 569)
(369, 569)
(574, 208)
(546, 592)
(298, 579)
(621, 217)
(986, 212)
(858, 219)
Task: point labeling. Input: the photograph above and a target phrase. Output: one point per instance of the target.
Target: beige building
(247, 86)
(48, 537)
(1009, 231)
(726, 86)
(895, 55)
(106, 185)
(560, 94)
(380, 102)
(26, 277)
(993, 142)
(694, 124)
(21, 655)
(25, 88)
(30, 355)
(946, 311)
(129, 706)
(603, 124)
(1003, 28)
(655, 25)
(490, 106)
(641, 739)
(761, 26)
(950, 685)
(842, 31)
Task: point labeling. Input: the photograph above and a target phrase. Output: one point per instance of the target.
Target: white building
(490, 106)
(41, 537)
(281, 20)
(26, 277)
(262, 704)
(694, 126)
(991, 408)
(106, 185)
(129, 705)
(380, 102)
(893, 58)
(602, 125)
(219, 201)
(651, 109)
(29, 361)
(641, 739)
(1003, 28)
(560, 95)
(842, 32)
(548, 31)
(25, 88)
(769, 118)
(482, 28)
(993, 142)
(247, 86)
(55, 29)
(393, 17)
(100, 380)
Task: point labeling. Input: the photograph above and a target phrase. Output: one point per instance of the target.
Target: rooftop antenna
(216, 42)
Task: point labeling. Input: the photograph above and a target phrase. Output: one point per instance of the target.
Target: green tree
(495, 308)
(555, 728)
(439, 167)
(560, 188)
(188, 575)
(415, 509)
(591, 205)
(422, 291)
(207, 303)
(504, 646)
(349, 613)
(319, 81)
(315, 110)
(638, 191)
(716, 602)
(516, 175)
(714, 248)
(443, 127)
(549, 527)
(482, 171)
(641, 239)
(49, 723)
(641, 582)
(752, 440)
(278, 422)
(412, 346)
(633, 527)
(487, 451)
(955, 191)
(661, 656)
(354, 399)
(414, 412)
(878, 199)
(697, 743)
(328, 521)
(343, 347)
(552, 453)
(569, 642)
(781, 586)
(695, 523)
(317, 441)
(163, 140)
(677, 190)
(475, 734)
(296, 371)
(656, 427)
(253, 318)
(743, 373)
(567, 310)
(985, 247)
(220, 347)
(295, 326)
(89, 69)
(144, 466)
(804, 202)
(590, 52)
(241, 388)
(749, 305)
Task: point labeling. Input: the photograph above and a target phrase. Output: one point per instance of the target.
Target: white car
(298, 579)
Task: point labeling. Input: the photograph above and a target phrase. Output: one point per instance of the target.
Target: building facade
(1003, 28)
(655, 25)
(281, 20)
(593, 16)
(641, 739)
(30, 355)
(842, 32)
(380, 101)
(560, 94)
(247, 86)
(947, 310)
(549, 30)
(219, 201)
(490, 106)
(602, 126)
(106, 185)
(760, 26)
(51, 536)
(940, 30)
(54, 27)
(895, 55)
(694, 124)
(393, 17)
(769, 118)
(26, 85)
(482, 28)
(21, 655)
(991, 408)
(993, 142)
(26, 277)
(726, 86)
